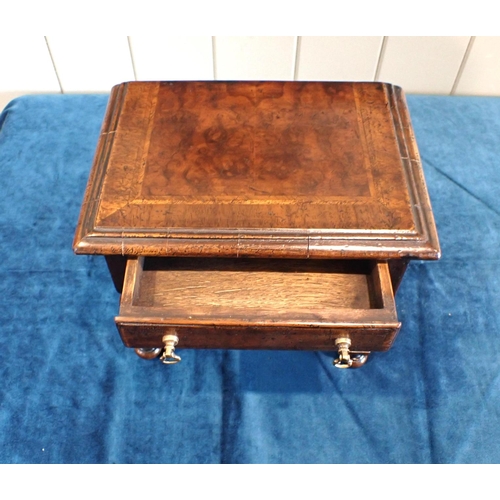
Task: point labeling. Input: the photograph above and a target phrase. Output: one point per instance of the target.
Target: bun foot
(148, 352)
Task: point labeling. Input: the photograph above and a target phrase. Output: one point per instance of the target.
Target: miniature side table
(257, 215)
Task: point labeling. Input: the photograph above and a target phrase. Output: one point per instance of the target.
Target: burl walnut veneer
(257, 215)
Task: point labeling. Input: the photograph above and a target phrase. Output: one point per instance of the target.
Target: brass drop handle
(348, 358)
(344, 360)
(168, 356)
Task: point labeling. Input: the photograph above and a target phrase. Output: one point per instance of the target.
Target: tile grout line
(54, 65)
(298, 42)
(462, 65)
(213, 59)
(132, 57)
(381, 54)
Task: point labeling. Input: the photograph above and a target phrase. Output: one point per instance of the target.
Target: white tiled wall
(254, 57)
(90, 64)
(94, 63)
(338, 57)
(159, 57)
(423, 64)
(481, 73)
(25, 67)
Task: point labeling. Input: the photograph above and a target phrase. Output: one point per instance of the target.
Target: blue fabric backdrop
(71, 393)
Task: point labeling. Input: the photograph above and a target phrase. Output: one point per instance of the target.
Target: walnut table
(257, 215)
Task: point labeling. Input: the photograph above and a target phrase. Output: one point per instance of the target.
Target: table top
(270, 169)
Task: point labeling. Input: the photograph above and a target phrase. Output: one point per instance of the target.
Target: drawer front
(148, 335)
(257, 304)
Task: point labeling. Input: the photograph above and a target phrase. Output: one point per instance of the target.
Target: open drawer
(218, 303)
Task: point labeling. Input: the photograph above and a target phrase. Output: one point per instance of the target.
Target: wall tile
(423, 64)
(91, 63)
(254, 57)
(338, 58)
(481, 73)
(96, 63)
(25, 65)
(159, 57)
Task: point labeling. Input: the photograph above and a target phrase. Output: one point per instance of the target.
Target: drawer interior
(257, 291)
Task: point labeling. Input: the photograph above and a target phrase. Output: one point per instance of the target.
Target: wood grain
(257, 284)
(237, 303)
(261, 169)
(148, 334)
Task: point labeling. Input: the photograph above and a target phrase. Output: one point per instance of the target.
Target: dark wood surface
(117, 265)
(397, 269)
(143, 334)
(260, 169)
(253, 286)
(236, 303)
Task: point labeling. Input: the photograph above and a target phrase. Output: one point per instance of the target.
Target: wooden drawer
(218, 303)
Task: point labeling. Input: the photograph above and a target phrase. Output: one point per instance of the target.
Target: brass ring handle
(348, 359)
(168, 356)
(344, 360)
(359, 359)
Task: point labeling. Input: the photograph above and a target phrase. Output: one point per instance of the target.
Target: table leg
(397, 270)
(116, 266)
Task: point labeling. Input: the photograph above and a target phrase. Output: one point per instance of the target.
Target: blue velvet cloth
(72, 393)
